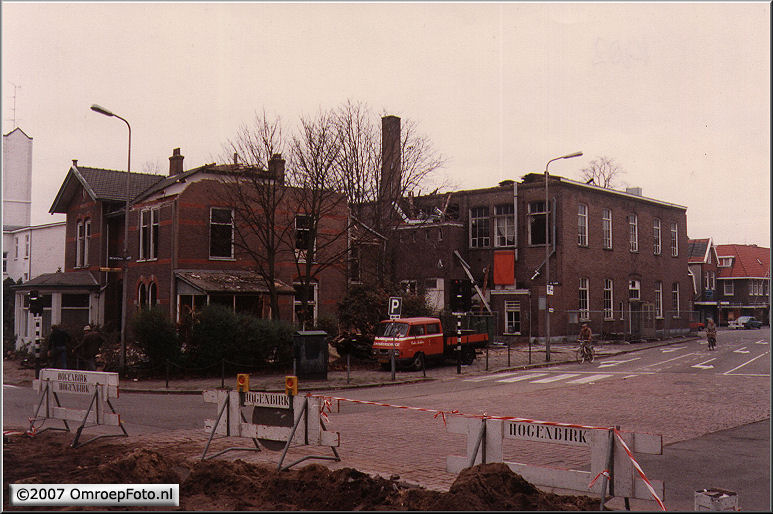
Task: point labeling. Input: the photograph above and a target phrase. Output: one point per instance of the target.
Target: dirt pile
(221, 485)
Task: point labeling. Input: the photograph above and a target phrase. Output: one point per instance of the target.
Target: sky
(677, 94)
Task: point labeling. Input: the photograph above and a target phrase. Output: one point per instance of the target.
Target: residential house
(743, 282)
(703, 265)
(181, 251)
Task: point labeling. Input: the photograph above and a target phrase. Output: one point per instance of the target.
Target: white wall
(17, 179)
(46, 251)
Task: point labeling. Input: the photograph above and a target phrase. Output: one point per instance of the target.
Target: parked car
(745, 322)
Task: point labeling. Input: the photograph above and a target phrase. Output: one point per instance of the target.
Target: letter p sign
(395, 306)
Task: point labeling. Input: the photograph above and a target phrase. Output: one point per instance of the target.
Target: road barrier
(612, 460)
(279, 417)
(100, 386)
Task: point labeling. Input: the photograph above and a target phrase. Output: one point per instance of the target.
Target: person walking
(58, 341)
(88, 348)
(711, 333)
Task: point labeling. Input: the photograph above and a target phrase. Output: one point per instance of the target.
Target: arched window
(142, 296)
(152, 295)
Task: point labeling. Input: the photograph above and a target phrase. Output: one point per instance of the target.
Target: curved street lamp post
(547, 253)
(125, 256)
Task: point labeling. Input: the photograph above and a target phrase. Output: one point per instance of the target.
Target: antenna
(15, 87)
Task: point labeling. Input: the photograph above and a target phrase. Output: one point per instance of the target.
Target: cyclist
(711, 333)
(585, 337)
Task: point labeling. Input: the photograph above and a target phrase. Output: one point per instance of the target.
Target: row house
(743, 282)
(618, 260)
(703, 265)
(182, 248)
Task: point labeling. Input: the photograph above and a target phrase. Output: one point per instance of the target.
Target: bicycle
(585, 352)
(712, 339)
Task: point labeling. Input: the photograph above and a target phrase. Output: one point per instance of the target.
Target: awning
(230, 282)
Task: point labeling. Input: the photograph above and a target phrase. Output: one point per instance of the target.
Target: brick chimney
(276, 168)
(390, 158)
(175, 162)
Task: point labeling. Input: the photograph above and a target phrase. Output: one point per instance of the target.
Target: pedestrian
(88, 348)
(58, 340)
(711, 333)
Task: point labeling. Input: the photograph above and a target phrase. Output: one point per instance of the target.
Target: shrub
(364, 307)
(264, 342)
(214, 336)
(155, 335)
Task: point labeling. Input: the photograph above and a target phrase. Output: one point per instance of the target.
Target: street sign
(550, 289)
(395, 307)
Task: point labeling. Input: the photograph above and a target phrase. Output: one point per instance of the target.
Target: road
(704, 403)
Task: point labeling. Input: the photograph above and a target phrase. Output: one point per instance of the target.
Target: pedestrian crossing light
(291, 385)
(242, 382)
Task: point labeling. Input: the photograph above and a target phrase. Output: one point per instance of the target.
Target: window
(656, 247)
(304, 240)
(479, 227)
(142, 296)
(149, 234)
(675, 298)
(674, 240)
(725, 262)
(5, 262)
(416, 330)
(606, 225)
(75, 309)
(188, 304)
(634, 290)
(221, 233)
(633, 232)
(582, 305)
(16, 244)
(729, 288)
(537, 223)
(659, 299)
(86, 239)
(26, 246)
(608, 299)
(305, 312)
(504, 225)
(80, 238)
(582, 225)
(512, 317)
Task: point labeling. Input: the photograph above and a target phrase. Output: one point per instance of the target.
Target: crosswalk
(543, 378)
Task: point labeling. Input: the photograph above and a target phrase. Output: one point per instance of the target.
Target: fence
(625, 325)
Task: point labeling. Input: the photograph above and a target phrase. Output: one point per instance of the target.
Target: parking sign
(395, 307)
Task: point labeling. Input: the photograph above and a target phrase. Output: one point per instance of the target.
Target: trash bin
(310, 354)
(716, 500)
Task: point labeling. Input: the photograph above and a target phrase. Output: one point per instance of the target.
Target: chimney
(75, 163)
(633, 191)
(175, 162)
(390, 158)
(276, 168)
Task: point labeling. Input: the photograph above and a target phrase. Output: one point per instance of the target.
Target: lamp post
(547, 253)
(125, 256)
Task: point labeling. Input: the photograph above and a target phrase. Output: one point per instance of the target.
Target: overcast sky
(678, 94)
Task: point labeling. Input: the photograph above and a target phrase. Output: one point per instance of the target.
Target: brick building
(743, 283)
(618, 259)
(703, 263)
(181, 246)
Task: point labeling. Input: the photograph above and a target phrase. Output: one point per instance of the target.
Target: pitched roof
(60, 280)
(750, 261)
(230, 281)
(697, 250)
(102, 185)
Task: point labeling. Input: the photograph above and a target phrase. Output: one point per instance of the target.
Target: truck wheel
(418, 362)
(468, 356)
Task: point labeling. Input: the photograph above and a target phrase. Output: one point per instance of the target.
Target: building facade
(743, 283)
(703, 263)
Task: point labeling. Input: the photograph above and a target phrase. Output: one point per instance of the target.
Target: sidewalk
(488, 361)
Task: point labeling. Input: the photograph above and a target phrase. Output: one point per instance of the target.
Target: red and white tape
(327, 402)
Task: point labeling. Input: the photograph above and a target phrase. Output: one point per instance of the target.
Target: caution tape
(327, 401)
(639, 470)
(603, 473)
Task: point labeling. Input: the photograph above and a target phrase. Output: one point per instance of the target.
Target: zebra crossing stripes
(489, 377)
(589, 378)
(554, 378)
(522, 377)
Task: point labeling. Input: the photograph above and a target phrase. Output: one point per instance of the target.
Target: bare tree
(603, 172)
(256, 192)
(321, 224)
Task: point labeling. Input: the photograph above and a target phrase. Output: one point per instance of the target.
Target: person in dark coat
(88, 348)
(58, 340)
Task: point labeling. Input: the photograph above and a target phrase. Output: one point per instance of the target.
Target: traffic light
(291, 385)
(36, 303)
(461, 295)
(242, 382)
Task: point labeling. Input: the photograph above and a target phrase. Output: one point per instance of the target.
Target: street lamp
(547, 253)
(125, 256)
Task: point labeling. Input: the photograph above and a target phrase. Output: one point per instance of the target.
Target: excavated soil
(221, 485)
